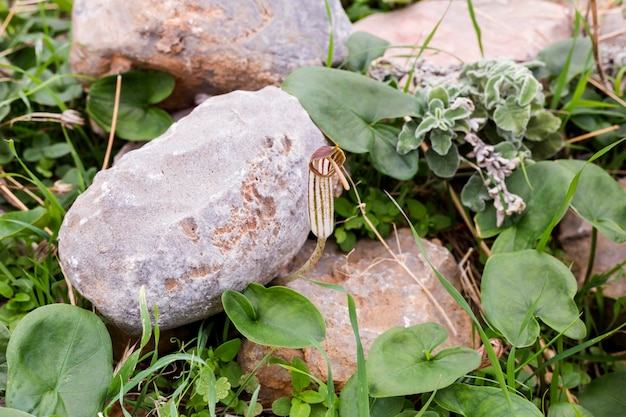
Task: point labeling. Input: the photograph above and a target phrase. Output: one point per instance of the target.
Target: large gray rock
(385, 294)
(210, 46)
(515, 29)
(217, 202)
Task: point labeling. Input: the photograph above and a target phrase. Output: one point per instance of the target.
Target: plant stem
(310, 263)
(592, 255)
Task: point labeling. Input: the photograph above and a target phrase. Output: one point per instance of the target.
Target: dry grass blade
(116, 106)
(592, 134)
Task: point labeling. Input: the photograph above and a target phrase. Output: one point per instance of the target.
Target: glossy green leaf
(480, 401)
(444, 166)
(16, 222)
(60, 362)
(385, 158)
(137, 119)
(401, 361)
(363, 48)
(599, 199)
(267, 315)
(604, 396)
(345, 105)
(511, 116)
(5, 335)
(568, 410)
(516, 283)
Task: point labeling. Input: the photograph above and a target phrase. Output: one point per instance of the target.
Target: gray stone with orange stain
(386, 295)
(215, 203)
(209, 46)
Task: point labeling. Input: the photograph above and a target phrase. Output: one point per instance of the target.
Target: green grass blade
(470, 8)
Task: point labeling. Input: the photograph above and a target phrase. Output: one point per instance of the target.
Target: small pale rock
(209, 46)
(575, 237)
(516, 29)
(385, 296)
(217, 202)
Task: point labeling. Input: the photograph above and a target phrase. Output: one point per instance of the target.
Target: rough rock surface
(515, 29)
(210, 46)
(217, 202)
(575, 236)
(385, 296)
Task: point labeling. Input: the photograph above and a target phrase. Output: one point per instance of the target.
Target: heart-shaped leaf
(599, 199)
(267, 315)
(519, 286)
(346, 105)
(477, 401)
(401, 361)
(604, 396)
(137, 118)
(60, 362)
(363, 48)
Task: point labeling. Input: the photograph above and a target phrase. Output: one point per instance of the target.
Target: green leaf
(541, 125)
(299, 381)
(137, 118)
(604, 396)
(545, 149)
(407, 139)
(363, 48)
(568, 410)
(228, 350)
(275, 310)
(477, 401)
(515, 284)
(555, 56)
(17, 222)
(5, 335)
(549, 186)
(443, 166)
(378, 407)
(281, 406)
(60, 362)
(599, 199)
(441, 141)
(512, 117)
(299, 409)
(56, 150)
(474, 194)
(345, 105)
(401, 361)
(385, 158)
(528, 91)
(63, 89)
(12, 412)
